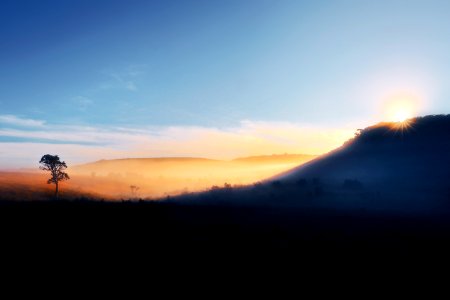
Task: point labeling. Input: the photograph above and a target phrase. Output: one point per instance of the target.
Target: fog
(154, 177)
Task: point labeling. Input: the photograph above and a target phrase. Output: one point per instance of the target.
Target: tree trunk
(56, 191)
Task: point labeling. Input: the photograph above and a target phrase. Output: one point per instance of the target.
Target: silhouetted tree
(215, 188)
(358, 132)
(134, 190)
(56, 168)
(227, 186)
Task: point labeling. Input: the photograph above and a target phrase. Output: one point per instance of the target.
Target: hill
(417, 149)
(160, 177)
(276, 158)
(163, 165)
(155, 177)
(400, 160)
(389, 166)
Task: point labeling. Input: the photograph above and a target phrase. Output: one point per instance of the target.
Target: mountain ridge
(414, 138)
(285, 156)
(388, 166)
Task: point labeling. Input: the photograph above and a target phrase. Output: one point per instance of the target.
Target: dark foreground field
(213, 234)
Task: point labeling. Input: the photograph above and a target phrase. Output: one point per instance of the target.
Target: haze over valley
(154, 177)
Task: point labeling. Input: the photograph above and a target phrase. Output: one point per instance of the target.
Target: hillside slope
(389, 166)
(158, 177)
(412, 155)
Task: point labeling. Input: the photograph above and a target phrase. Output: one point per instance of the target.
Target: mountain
(248, 169)
(412, 157)
(275, 158)
(389, 166)
(166, 164)
(159, 177)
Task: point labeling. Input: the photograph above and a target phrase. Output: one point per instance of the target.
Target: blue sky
(215, 65)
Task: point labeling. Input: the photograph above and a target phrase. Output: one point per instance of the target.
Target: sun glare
(401, 115)
(400, 108)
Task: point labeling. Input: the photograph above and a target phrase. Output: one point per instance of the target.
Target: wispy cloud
(79, 144)
(83, 103)
(124, 83)
(124, 79)
(22, 122)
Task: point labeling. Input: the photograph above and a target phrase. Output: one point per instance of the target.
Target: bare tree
(134, 190)
(56, 168)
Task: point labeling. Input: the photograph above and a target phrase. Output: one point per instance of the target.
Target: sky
(219, 78)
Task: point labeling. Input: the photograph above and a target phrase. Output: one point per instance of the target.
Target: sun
(400, 108)
(401, 115)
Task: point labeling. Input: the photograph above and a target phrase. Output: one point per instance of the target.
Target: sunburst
(402, 126)
(400, 109)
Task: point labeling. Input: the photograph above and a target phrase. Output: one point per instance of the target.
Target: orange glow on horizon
(155, 177)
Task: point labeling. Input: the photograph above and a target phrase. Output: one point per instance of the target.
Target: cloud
(22, 122)
(122, 82)
(82, 102)
(77, 144)
(16, 155)
(131, 86)
(124, 79)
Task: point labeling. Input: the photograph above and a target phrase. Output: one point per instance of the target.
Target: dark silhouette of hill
(405, 161)
(389, 166)
(415, 150)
